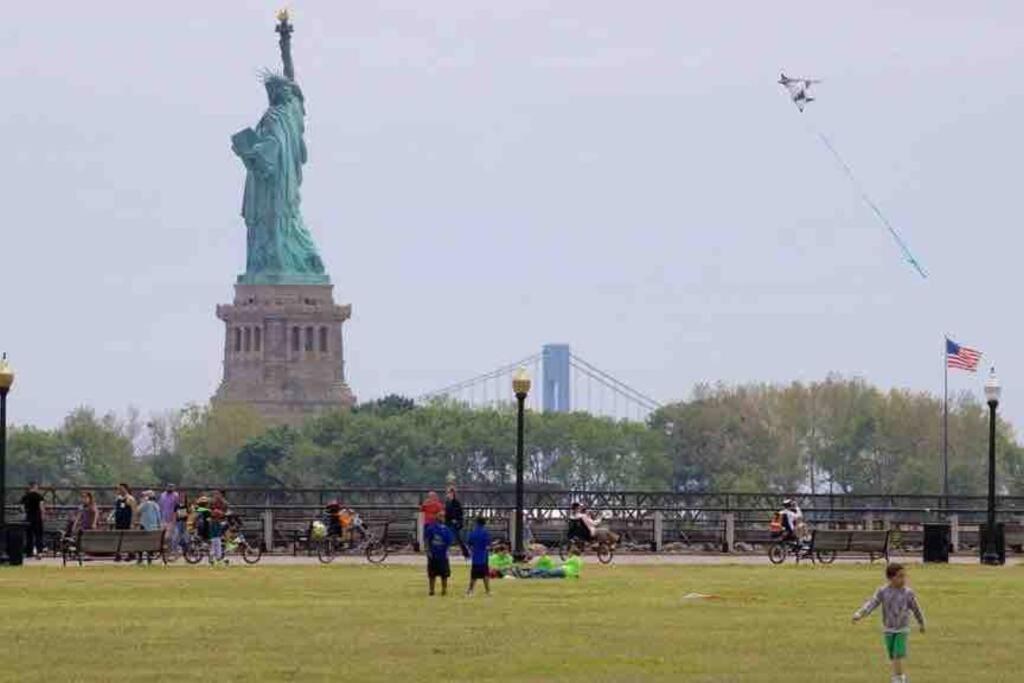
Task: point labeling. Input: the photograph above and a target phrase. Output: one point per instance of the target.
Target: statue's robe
(277, 239)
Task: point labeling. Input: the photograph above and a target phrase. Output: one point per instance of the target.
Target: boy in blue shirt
(438, 538)
(479, 546)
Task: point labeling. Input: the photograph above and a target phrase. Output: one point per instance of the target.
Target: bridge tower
(556, 368)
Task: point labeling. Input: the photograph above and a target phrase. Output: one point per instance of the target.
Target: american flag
(961, 357)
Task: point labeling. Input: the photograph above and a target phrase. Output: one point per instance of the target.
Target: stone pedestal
(283, 351)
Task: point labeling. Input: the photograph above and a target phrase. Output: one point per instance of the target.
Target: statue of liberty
(279, 247)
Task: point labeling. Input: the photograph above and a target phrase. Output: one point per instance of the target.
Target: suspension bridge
(563, 383)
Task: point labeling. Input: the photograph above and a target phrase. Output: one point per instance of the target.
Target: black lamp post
(521, 387)
(6, 381)
(992, 392)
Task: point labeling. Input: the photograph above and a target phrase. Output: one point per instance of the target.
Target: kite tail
(907, 254)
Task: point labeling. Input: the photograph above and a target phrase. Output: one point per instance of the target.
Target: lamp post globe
(521, 388)
(6, 382)
(993, 390)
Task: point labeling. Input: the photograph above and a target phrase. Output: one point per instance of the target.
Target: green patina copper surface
(279, 247)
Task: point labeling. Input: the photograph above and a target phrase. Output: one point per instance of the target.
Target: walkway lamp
(6, 382)
(521, 388)
(992, 393)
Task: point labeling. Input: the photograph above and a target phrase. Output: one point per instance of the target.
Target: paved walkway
(624, 559)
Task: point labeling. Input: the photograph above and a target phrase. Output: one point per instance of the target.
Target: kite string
(907, 254)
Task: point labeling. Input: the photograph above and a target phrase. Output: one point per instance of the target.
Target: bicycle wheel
(605, 553)
(326, 551)
(251, 553)
(376, 551)
(777, 553)
(826, 556)
(194, 552)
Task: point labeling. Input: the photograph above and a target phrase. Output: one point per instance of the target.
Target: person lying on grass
(897, 602)
(545, 568)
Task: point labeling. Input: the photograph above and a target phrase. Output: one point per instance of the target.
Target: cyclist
(581, 526)
(792, 521)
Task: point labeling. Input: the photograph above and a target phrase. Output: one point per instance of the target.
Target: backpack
(775, 525)
(203, 525)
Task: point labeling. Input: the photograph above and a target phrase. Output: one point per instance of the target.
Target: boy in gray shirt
(897, 602)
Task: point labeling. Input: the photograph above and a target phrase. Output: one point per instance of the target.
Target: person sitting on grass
(438, 538)
(479, 544)
(500, 562)
(897, 602)
(572, 565)
(545, 568)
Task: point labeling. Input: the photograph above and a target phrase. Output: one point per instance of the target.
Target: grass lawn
(363, 623)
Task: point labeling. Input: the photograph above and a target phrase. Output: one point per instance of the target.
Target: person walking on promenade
(220, 502)
(35, 507)
(125, 511)
(149, 518)
(454, 518)
(88, 514)
(430, 508)
(168, 503)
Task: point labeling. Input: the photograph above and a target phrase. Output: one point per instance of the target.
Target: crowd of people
(171, 510)
(444, 528)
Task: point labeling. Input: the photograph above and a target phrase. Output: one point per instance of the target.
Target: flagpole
(945, 422)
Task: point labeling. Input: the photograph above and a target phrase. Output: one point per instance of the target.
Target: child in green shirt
(500, 563)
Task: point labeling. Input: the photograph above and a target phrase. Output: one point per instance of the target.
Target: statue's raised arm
(284, 29)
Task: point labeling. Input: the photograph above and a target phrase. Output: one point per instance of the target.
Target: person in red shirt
(430, 508)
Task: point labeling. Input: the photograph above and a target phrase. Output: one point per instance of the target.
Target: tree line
(839, 435)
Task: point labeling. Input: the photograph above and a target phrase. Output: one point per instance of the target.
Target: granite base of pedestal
(283, 351)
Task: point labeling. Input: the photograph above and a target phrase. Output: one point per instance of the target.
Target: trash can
(936, 542)
(14, 544)
(1000, 541)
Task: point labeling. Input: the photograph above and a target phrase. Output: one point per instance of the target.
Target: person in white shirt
(792, 520)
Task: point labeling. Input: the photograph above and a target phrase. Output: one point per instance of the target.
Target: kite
(798, 88)
(798, 92)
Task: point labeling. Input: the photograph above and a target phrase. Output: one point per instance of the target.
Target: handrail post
(268, 530)
(420, 520)
(659, 528)
(730, 532)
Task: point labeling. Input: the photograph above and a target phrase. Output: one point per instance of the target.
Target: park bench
(635, 534)
(871, 543)
(1014, 536)
(548, 534)
(113, 543)
(694, 535)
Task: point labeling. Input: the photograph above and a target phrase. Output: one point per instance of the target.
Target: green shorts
(896, 645)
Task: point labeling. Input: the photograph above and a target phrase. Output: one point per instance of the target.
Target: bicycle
(197, 549)
(604, 550)
(800, 550)
(374, 548)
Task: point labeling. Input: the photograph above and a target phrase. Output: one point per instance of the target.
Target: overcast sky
(485, 177)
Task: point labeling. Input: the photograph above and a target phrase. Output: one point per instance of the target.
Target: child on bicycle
(339, 521)
(898, 602)
(218, 527)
